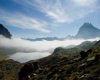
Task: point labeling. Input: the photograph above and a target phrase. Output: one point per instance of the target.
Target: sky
(48, 18)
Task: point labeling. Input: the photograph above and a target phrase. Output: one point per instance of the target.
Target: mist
(24, 57)
(28, 50)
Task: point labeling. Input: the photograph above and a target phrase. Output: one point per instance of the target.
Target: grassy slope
(4, 54)
(73, 68)
(9, 70)
(60, 53)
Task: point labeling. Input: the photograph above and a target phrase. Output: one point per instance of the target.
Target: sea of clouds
(30, 50)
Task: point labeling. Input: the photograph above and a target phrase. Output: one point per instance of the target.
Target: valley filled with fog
(29, 50)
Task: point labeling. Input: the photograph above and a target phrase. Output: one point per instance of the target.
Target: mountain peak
(88, 25)
(88, 31)
(4, 32)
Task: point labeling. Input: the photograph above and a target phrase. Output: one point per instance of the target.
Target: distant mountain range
(86, 31)
(4, 32)
(44, 38)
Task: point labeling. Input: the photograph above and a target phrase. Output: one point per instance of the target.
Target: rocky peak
(4, 32)
(87, 31)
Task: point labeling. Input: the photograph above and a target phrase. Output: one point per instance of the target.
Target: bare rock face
(27, 69)
(4, 32)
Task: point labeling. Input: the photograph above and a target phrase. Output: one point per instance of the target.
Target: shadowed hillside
(84, 66)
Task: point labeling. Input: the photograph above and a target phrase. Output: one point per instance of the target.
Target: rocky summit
(88, 31)
(4, 32)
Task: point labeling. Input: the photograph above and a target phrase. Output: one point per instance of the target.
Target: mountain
(4, 32)
(75, 50)
(88, 31)
(44, 38)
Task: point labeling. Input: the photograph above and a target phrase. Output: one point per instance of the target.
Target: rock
(40, 70)
(36, 65)
(89, 51)
(97, 58)
(83, 54)
(91, 59)
(82, 65)
(83, 76)
(27, 69)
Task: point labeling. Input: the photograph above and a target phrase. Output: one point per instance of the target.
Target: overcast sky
(42, 18)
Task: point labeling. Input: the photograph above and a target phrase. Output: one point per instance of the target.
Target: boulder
(84, 54)
(36, 65)
(89, 51)
(27, 69)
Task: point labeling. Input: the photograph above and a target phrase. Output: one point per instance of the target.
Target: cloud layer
(24, 57)
(28, 50)
(37, 45)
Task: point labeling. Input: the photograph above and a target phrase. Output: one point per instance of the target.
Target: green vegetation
(4, 54)
(66, 64)
(9, 70)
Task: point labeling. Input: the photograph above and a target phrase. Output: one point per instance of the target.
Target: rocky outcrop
(27, 69)
(83, 54)
(4, 32)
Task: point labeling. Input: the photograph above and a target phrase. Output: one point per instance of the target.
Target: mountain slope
(74, 68)
(4, 32)
(9, 69)
(59, 53)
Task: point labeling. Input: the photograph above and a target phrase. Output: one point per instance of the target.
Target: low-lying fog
(28, 50)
